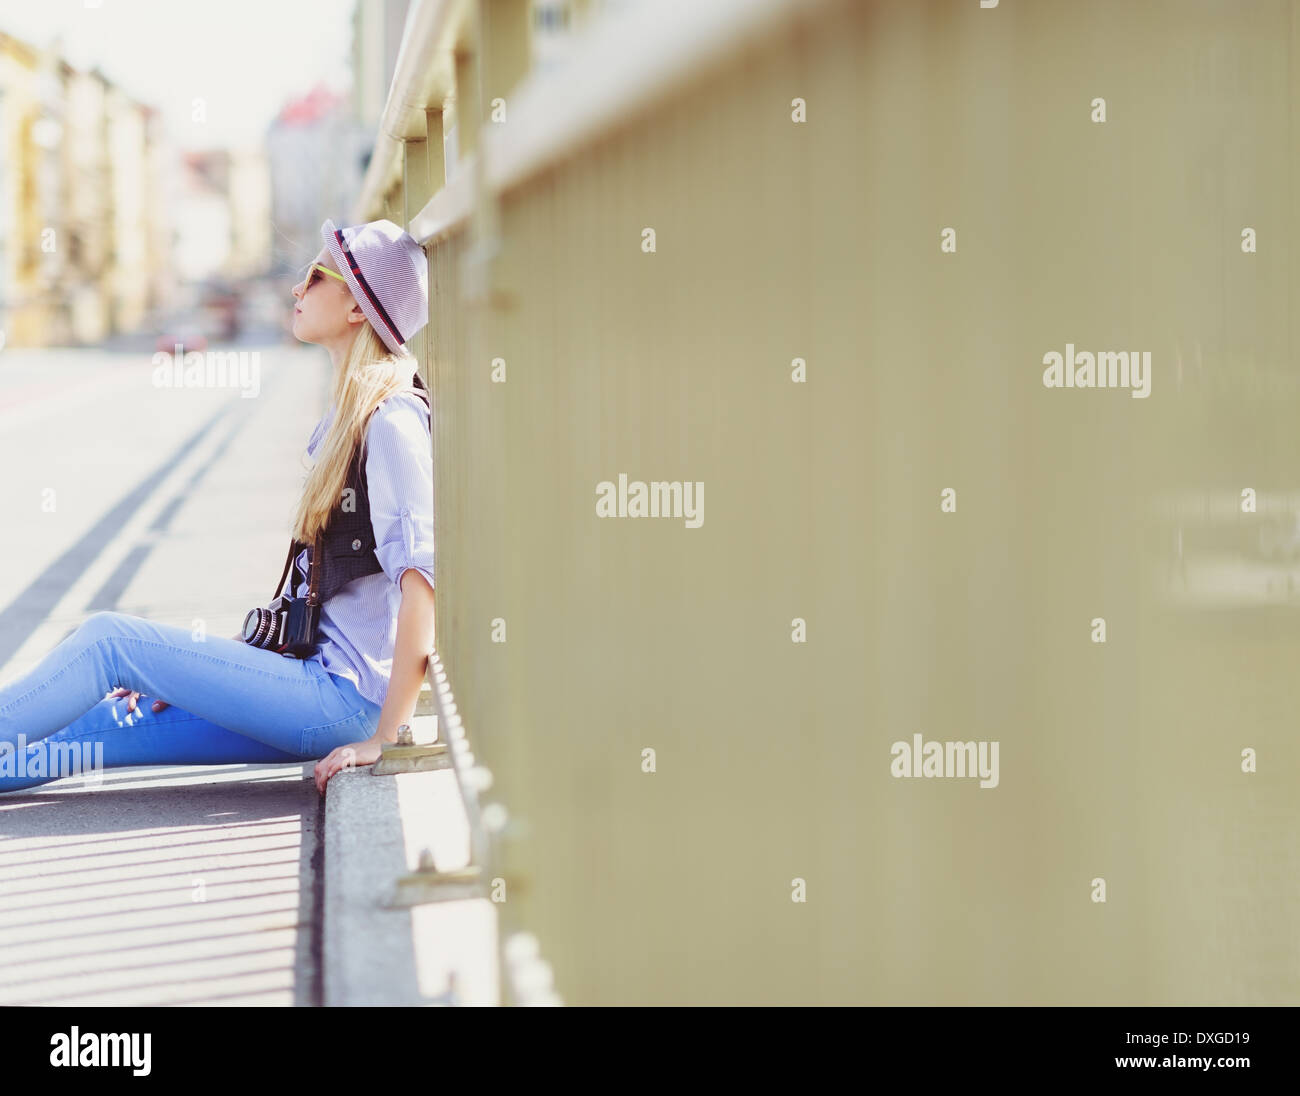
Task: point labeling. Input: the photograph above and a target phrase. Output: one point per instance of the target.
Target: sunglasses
(312, 270)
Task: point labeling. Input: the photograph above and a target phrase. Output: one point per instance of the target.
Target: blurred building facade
(376, 37)
(316, 152)
(319, 146)
(249, 194)
(82, 202)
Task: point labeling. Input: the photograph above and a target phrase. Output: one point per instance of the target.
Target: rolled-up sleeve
(399, 476)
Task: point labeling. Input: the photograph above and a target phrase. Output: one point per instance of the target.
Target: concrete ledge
(440, 953)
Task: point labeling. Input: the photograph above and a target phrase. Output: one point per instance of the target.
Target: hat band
(365, 286)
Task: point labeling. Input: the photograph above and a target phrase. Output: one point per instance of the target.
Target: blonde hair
(369, 375)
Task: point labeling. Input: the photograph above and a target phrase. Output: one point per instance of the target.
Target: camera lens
(257, 627)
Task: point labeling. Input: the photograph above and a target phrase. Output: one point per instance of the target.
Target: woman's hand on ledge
(346, 757)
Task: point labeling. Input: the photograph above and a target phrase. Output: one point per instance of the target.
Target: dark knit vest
(348, 539)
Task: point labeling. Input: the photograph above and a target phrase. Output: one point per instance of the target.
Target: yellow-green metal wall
(821, 241)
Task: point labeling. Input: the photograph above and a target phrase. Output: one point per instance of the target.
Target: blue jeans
(230, 703)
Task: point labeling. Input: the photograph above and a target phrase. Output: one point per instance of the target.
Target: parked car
(223, 306)
(181, 327)
(187, 338)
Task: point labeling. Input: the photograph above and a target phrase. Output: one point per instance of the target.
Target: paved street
(162, 885)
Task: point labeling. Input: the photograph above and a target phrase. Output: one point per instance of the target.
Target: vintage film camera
(288, 625)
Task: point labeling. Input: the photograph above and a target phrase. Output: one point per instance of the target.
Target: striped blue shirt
(358, 625)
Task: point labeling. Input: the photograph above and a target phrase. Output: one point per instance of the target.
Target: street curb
(437, 954)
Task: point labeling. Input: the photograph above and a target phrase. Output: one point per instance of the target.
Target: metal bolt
(521, 947)
(427, 863)
(494, 817)
(404, 737)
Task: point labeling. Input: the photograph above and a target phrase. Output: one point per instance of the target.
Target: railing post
(436, 174)
(393, 204)
(422, 172)
(468, 108)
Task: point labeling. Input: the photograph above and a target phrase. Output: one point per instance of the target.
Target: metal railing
(461, 70)
(718, 246)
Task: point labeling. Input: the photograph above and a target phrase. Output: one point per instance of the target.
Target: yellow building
(26, 132)
(80, 202)
(249, 191)
(126, 289)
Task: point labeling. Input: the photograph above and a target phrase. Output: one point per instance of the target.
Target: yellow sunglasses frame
(324, 270)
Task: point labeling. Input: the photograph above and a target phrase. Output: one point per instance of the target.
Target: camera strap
(313, 591)
(313, 569)
(294, 548)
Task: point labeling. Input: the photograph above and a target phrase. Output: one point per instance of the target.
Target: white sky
(244, 58)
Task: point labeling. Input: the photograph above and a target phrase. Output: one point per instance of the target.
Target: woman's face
(323, 304)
